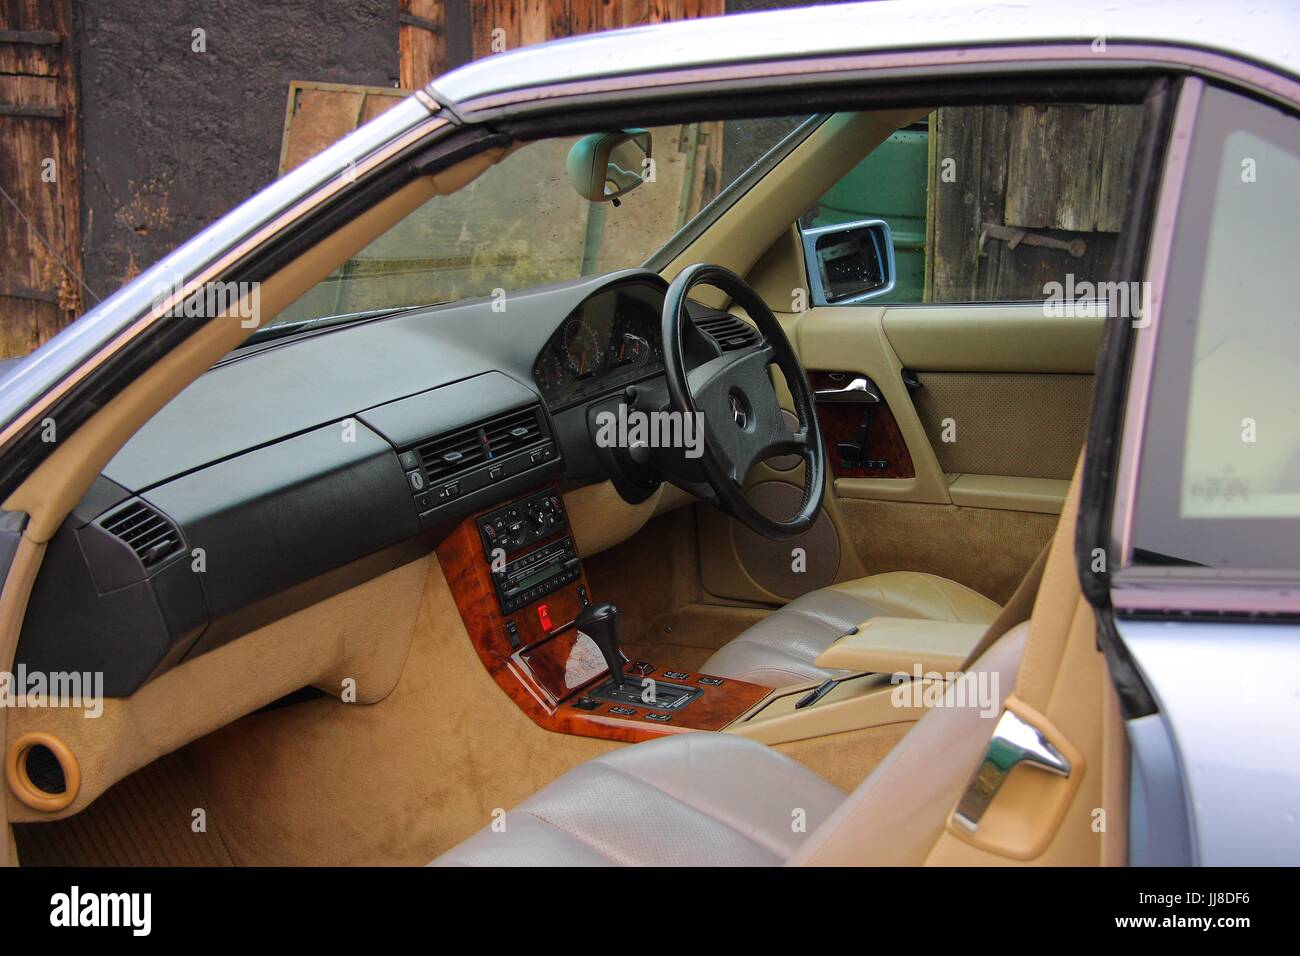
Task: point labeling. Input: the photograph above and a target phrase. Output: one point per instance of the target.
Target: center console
(519, 585)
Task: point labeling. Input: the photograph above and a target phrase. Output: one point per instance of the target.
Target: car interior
(382, 589)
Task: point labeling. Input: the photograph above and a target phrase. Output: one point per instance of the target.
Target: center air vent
(145, 531)
(728, 331)
(512, 432)
(451, 453)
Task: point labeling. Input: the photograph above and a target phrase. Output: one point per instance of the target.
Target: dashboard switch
(544, 616)
(416, 480)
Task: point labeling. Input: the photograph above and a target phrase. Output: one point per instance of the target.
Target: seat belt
(1017, 610)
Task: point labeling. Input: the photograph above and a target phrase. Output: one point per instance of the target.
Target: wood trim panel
(840, 423)
(542, 676)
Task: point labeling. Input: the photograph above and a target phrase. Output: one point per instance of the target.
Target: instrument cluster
(609, 341)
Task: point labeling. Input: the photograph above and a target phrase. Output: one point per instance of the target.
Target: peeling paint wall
(173, 136)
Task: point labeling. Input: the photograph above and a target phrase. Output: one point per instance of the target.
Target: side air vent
(728, 331)
(512, 432)
(145, 531)
(451, 453)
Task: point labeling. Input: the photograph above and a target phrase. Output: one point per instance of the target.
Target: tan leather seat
(781, 648)
(713, 799)
(689, 800)
(719, 800)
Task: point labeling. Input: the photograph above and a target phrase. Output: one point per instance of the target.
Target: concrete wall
(173, 138)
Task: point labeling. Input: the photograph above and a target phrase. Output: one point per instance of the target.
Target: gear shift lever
(600, 623)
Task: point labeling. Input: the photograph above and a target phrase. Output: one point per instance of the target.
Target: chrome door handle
(1015, 741)
(860, 391)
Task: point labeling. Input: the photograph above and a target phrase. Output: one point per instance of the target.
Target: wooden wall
(425, 52)
(1055, 173)
(40, 206)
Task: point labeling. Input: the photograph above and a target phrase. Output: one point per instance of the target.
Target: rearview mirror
(605, 166)
(849, 262)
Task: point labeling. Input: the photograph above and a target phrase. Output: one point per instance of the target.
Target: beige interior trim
(1063, 689)
(20, 782)
(13, 605)
(853, 338)
(1039, 495)
(325, 645)
(999, 337)
(857, 703)
(600, 518)
(889, 645)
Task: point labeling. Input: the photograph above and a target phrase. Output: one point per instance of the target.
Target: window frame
(1115, 467)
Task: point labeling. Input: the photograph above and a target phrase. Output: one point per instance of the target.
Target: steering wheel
(734, 395)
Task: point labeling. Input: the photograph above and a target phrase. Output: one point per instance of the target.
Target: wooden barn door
(40, 198)
(495, 26)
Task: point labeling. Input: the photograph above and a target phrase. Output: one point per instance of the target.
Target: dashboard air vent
(512, 432)
(145, 531)
(451, 453)
(728, 331)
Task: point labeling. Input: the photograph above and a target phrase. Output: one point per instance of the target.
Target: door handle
(859, 391)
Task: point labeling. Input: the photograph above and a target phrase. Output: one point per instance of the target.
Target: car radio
(521, 578)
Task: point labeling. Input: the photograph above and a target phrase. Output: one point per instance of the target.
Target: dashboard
(611, 340)
(384, 435)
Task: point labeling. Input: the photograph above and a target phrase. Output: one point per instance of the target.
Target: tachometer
(582, 352)
(550, 372)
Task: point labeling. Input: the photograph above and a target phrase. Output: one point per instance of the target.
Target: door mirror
(850, 262)
(605, 166)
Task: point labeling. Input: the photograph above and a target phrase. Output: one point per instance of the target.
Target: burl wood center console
(518, 583)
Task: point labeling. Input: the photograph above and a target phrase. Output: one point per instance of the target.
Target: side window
(1219, 474)
(994, 203)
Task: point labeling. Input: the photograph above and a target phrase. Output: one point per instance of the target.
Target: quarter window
(1219, 480)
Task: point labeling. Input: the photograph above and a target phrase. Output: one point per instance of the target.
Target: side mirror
(850, 262)
(605, 166)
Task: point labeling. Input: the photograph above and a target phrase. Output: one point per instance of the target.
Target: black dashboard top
(302, 383)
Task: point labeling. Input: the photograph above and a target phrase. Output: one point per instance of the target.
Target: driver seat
(781, 648)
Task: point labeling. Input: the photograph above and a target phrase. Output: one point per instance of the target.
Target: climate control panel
(522, 573)
(523, 523)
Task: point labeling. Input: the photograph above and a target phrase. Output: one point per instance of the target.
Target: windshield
(523, 223)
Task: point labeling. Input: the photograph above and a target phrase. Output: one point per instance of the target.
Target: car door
(978, 365)
(1198, 562)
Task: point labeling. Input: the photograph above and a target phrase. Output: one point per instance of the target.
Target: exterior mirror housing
(850, 262)
(605, 166)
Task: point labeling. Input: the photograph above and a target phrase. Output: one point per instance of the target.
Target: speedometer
(582, 351)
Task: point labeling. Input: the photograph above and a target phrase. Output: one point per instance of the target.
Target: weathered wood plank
(40, 230)
(422, 54)
(318, 114)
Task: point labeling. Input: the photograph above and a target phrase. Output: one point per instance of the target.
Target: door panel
(974, 501)
(1028, 425)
